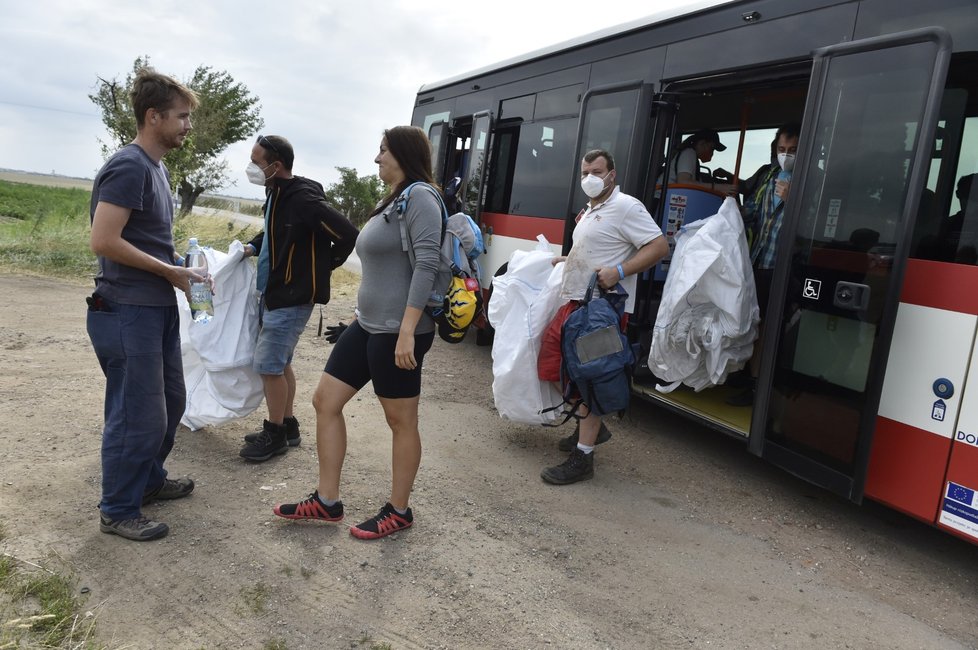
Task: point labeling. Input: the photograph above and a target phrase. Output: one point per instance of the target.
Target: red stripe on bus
(521, 227)
(941, 285)
(906, 468)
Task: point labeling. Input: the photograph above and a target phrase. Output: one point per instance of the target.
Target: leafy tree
(355, 196)
(228, 113)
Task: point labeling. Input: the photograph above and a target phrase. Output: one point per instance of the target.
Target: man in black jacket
(303, 241)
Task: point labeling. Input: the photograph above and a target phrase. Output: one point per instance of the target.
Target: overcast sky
(330, 76)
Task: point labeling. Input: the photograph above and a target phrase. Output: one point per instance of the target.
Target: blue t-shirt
(131, 179)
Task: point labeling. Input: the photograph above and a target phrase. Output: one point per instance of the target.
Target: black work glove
(333, 332)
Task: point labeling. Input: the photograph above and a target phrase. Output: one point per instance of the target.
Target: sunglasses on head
(267, 144)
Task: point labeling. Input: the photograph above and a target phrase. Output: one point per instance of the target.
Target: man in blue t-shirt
(133, 321)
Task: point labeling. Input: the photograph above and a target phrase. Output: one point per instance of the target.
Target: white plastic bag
(217, 355)
(708, 316)
(524, 300)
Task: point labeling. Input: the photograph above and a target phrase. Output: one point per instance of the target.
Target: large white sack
(528, 298)
(221, 385)
(708, 316)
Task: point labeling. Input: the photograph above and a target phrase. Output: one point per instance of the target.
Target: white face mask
(256, 174)
(592, 185)
(787, 161)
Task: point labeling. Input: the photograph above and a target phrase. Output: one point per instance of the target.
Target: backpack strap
(400, 205)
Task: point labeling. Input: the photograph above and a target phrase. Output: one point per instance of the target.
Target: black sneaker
(138, 529)
(310, 508)
(386, 521)
(570, 442)
(578, 467)
(269, 442)
(171, 489)
(292, 435)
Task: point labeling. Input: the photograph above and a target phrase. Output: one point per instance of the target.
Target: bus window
(946, 229)
(544, 168)
(757, 151)
(557, 102)
(499, 187)
(432, 118)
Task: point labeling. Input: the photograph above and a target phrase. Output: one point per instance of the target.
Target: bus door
(615, 118)
(438, 135)
(866, 139)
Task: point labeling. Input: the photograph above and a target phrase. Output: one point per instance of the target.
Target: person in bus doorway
(697, 149)
(764, 208)
(133, 320)
(387, 341)
(616, 237)
(304, 239)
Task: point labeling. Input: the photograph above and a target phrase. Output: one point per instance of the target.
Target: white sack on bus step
(524, 300)
(708, 317)
(221, 385)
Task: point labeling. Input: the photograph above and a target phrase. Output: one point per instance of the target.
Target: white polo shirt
(608, 234)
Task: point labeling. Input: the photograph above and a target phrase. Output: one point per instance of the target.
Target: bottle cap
(193, 241)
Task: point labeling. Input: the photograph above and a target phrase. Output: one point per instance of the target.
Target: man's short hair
(789, 130)
(153, 90)
(277, 149)
(594, 154)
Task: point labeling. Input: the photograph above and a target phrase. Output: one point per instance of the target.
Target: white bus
(864, 385)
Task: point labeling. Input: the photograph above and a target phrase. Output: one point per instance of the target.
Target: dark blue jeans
(139, 351)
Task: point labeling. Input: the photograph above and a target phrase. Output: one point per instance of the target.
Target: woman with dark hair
(387, 341)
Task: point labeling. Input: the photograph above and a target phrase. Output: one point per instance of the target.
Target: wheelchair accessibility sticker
(813, 288)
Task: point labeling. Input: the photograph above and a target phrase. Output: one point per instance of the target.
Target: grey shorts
(277, 337)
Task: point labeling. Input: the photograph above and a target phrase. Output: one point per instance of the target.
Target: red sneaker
(310, 508)
(386, 521)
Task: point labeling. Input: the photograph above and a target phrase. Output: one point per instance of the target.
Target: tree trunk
(188, 197)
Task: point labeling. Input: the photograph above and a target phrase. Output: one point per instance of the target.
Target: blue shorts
(277, 337)
(359, 357)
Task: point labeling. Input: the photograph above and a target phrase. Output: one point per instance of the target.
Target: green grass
(40, 609)
(45, 231)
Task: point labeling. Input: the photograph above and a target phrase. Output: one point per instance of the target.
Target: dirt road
(682, 539)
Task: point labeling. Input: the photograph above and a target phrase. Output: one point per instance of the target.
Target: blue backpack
(453, 303)
(597, 360)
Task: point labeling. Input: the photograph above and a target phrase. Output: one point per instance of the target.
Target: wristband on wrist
(179, 261)
(621, 273)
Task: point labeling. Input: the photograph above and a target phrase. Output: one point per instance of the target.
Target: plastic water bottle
(201, 298)
(782, 176)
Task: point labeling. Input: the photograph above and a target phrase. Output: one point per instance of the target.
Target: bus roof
(593, 37)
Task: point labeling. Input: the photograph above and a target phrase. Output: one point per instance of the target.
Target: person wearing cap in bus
(698, 148)
(617, 238)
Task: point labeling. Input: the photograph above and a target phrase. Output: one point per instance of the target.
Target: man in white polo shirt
(616, 237)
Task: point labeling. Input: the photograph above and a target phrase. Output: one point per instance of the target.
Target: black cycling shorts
(359, 356)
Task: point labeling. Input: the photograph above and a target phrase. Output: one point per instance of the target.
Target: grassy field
(44, 229)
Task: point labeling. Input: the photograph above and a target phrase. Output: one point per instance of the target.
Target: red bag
(548, 361)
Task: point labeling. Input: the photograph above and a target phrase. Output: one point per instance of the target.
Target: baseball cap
(711, 135)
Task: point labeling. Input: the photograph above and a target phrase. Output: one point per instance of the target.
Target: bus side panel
(788, 37)
(906, 468)
(511, 232)
(959, 505)
(935, 328)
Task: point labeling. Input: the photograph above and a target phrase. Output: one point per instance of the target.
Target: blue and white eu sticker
(960, 509)
(938, 410)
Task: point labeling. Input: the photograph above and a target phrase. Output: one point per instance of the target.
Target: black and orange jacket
(307, 239)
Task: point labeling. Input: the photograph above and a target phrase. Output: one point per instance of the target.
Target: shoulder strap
(401, 206)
